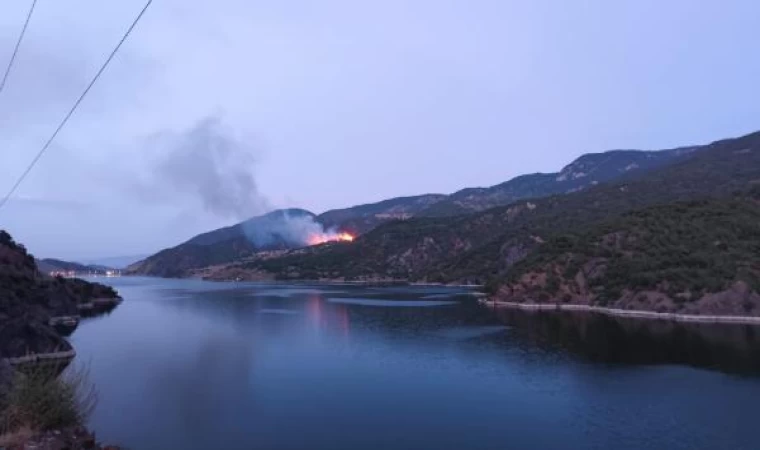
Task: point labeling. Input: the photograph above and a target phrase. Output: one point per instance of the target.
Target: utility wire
(73, 108)
(18, 44)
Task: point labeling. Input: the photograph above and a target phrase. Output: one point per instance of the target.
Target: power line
(73, 108)
(18, 44)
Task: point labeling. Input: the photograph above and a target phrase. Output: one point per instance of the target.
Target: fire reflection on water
(327, 317)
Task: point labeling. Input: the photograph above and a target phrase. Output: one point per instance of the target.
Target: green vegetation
(221, 246)
(38, 399)
(690, 248)
(581, 174)
(486, 245)
(35, 397)
(681, 228)
(230, 244)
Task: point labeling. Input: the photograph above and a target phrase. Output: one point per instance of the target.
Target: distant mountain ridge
(585, 172)
(231, 243)
(48, 265)
(361, 218)
(483, 247)
(117, 262)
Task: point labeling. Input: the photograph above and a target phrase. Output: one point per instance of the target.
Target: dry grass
(39, 399)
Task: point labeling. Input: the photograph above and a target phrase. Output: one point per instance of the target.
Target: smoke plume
(287, 228)
(207, 164)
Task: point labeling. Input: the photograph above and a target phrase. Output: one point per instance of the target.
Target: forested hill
(233, 243)
(221, 246)
(484, 246)
(585, 172)
(697, 257)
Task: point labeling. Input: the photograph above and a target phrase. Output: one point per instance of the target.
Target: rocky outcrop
(30, 301)
(27, 336)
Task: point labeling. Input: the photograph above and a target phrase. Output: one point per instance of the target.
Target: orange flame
(321, 238)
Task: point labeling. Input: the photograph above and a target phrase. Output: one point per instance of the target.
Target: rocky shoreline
(63, 358)
(628, 313)
(74, 438)
(37, 312)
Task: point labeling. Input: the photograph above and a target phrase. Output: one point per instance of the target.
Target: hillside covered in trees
(232, 244)
(695, 257)
(672, 213)
(482, 246)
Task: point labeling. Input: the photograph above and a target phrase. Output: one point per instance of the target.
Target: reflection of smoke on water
(210, 380)
(214, 375)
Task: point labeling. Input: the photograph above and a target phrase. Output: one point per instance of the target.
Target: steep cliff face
(28, 299)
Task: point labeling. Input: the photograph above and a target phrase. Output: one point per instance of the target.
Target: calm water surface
(195, 365)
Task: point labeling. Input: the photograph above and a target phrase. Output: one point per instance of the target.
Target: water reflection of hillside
(195, 383)
(268, 313)
(600, 338)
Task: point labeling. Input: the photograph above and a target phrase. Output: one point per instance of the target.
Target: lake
(187, 364)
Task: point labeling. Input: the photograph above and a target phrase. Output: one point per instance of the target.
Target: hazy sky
(329, 103)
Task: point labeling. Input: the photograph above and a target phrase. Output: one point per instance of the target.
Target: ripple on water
(462, 333)
(389, 303)
(282, 311)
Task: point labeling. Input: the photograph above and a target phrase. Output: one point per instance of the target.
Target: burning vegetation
(322, 238)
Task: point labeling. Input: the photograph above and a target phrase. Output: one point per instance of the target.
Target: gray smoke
(293, 228)
(208, 164)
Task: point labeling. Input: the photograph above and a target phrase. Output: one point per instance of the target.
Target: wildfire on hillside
(321, 238)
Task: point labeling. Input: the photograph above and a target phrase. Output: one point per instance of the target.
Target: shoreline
(626, 313)
(324, 281)
(66, 355)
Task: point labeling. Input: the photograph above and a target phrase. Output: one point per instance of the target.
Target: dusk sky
(216, 111)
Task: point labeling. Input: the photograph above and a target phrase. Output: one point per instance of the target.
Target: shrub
(552, 283)
(491, 286)
(40, 399)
